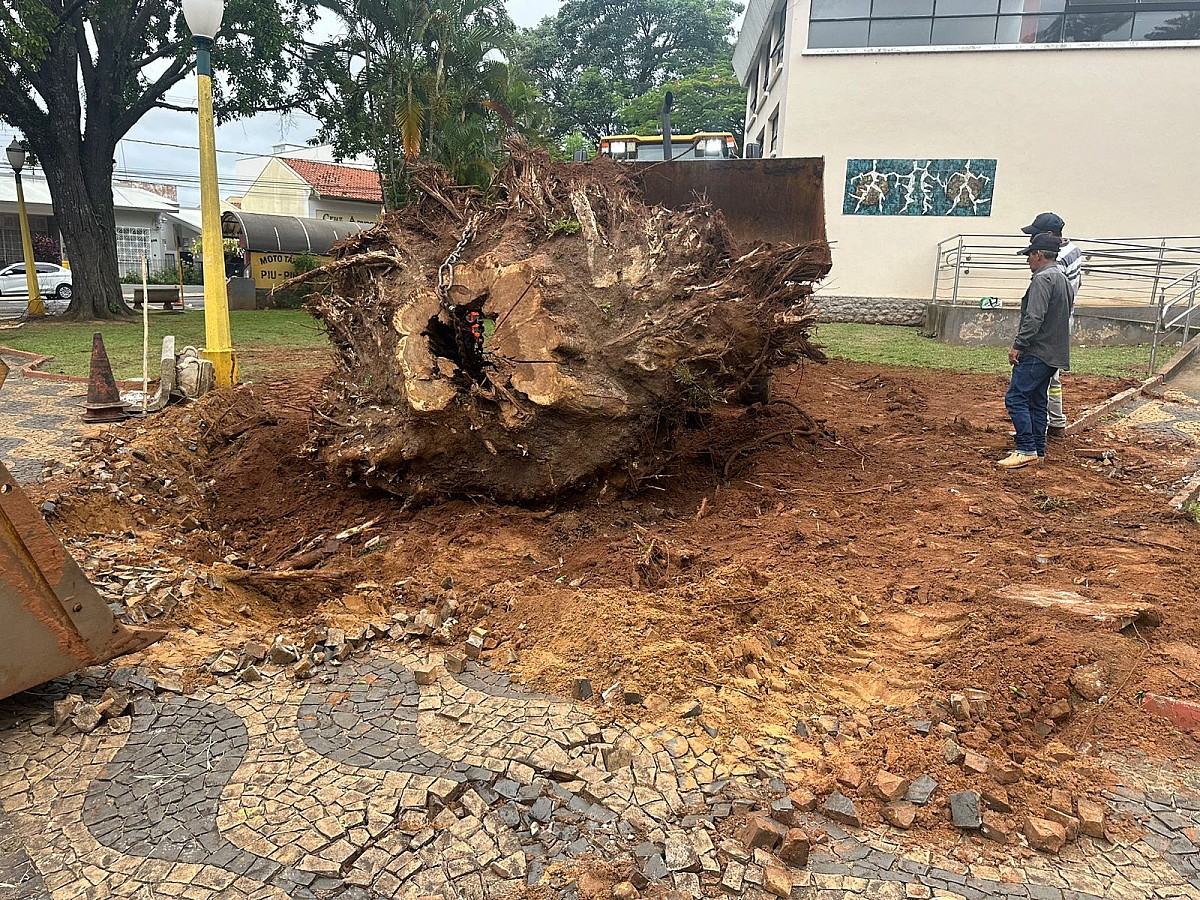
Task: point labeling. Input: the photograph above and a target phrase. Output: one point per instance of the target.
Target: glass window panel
(960, 30)
(1030, 30)
(654, 151)
(1089, 27)
(1030, 7)
(900, 32)
(840, 9)
(837, 34)
(885, 8)
(966, 7)
(1166, 26)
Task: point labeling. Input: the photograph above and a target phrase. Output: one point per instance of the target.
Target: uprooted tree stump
(599, 322)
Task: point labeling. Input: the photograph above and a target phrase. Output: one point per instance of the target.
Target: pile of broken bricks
(320, 647)
(127, 691)
(987, 809)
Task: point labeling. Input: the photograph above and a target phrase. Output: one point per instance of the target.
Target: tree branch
(19, 107)
(171, 106)
(86, 64)
(163, 52)
(150, 97)
(20, 59)
(69, 13)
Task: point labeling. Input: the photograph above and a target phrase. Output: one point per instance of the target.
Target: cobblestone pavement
(368, 785)
(38, 419)
(1165, 418)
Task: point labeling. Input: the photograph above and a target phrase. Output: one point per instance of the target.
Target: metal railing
(1132, 271)
(1176, 303)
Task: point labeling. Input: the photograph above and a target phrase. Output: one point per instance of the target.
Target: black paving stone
(194, 748)
(1172, 820)
(827, 866)
(19, 879)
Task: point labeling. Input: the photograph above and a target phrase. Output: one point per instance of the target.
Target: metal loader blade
(52, 620)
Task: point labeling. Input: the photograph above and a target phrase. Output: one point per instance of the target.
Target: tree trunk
(81, 188)
(581, 328)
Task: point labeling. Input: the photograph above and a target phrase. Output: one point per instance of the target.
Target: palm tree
(416, 79)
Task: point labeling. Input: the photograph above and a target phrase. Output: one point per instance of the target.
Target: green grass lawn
(273, 339)
(257, 336)
(898, 346)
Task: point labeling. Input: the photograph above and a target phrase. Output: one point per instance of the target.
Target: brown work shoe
(1016, 460)
(1056, 432)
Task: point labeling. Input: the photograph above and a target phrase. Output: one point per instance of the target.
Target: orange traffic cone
(103, 399)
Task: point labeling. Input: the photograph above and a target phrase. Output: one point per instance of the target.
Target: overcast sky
(152, 162)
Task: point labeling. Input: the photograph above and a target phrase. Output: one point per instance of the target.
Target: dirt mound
(831, 585)
(551, 334)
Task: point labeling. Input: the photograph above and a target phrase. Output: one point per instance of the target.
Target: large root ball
(580, 328)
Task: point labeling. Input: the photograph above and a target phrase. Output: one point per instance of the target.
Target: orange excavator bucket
(52, 619)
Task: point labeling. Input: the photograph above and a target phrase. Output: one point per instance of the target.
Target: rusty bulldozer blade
(52, 620)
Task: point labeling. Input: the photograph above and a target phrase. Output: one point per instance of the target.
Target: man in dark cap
(1042, 346)
(1070, 260)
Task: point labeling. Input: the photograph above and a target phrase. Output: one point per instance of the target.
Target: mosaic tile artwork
(919, 187)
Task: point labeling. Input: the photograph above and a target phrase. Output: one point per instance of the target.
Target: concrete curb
(1189, 494)
(30, 370)
(1183, 714)
(1114, 402)
(1167, 372)
(1185, 354)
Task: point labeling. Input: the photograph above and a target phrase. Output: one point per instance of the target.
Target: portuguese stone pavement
(38, 420)
(364, 784)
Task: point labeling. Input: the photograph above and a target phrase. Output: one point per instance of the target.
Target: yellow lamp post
(16, 159)
(204, 20)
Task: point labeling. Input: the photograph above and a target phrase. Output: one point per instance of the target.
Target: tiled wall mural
(919, 187)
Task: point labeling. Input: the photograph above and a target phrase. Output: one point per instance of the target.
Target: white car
(53, 281)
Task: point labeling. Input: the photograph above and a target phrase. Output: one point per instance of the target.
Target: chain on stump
(468, 325)
(446, 270)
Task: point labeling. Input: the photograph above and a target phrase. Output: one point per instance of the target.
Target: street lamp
(204, 21)
(16, 159)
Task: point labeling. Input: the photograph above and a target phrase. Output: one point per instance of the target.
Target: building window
(781, 30)
(132, 245)
(925, 23)
(773, 125)
(754, 87)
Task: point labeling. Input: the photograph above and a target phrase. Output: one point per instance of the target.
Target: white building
(143, 221)
(941, 117)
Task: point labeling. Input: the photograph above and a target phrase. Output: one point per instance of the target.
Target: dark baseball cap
(1046, 221)
(1043, 241)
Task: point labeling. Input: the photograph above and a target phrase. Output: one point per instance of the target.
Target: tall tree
(412, 79)
(76, 76)
(596, 55)
(711, 99)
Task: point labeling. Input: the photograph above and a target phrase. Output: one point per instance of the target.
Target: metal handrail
(1162, 325)
(1116, 270)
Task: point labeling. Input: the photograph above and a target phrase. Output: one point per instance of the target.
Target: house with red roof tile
(315, 190)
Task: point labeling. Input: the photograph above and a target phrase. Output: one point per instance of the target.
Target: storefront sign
(270, 270)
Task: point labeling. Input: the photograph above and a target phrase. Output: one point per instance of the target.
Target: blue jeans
(1026, 403)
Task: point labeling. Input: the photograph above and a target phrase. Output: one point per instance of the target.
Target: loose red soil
(869, 570)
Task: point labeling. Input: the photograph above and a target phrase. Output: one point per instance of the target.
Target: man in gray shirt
(1042, 346)
(1070, 260)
